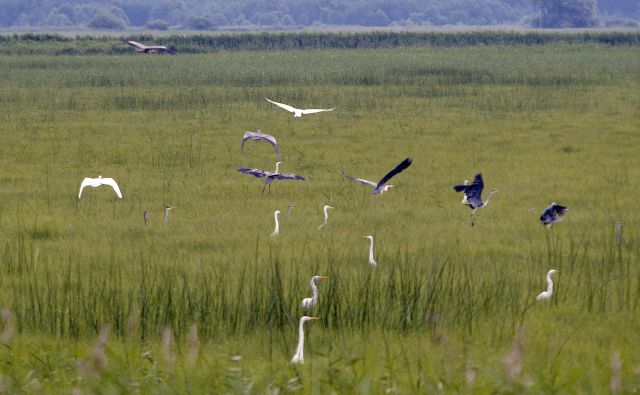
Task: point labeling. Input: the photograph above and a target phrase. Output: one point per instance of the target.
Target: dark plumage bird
(553, 213)
(380, 187)
(257, 135)
(473, 194)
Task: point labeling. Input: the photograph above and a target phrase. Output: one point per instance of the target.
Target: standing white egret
(546, 295)
(379, 188)
(298, 112)
(473, 195)
(326, 216)
(166, 214)
(553, 213)
(145, 216)
(276, 231)
(308, 303)
(372, 261)
(298, 357)
(96, 182)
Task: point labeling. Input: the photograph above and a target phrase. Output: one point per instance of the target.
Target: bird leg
(473, 217)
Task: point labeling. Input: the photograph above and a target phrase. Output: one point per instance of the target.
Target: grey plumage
(381, 187)
(257, 135)
(553, 213)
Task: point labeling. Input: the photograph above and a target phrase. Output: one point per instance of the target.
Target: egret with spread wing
(473, 194)
(96, 182)
(151, 48)
(298, 112)
(553, 213)
(257, 135)
(381, 187)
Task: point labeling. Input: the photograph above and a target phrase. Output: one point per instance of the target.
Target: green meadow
(95, 302)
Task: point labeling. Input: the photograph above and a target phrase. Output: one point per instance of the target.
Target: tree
(565, 13)
(106, 21)
(158, 24)
(199, 23)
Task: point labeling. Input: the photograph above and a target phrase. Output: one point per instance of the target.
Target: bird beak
(314, 318)
(323, 277)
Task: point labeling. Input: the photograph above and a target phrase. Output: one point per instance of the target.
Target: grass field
(209, 303)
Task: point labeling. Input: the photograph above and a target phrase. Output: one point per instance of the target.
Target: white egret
(96, 182)
(473, 195)
(553, 213)
(380, 187)
(145, 216)
(372, 261)
(257, 135)
(151, 48)
(546, 295)
(326, 216)
(298, 357)
(276, 231)
(308, 303)
(166, 213)
(298, 112)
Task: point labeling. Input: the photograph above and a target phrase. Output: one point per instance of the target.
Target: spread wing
(403, 165)
(360, 180)
(257, 135)
(137, 45)
(85, 182)
(282, 105)
(113, 184)
(315, 110)
(287, 176)
(254, 172)
(474, 191)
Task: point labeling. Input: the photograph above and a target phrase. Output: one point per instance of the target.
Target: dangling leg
(473, 217)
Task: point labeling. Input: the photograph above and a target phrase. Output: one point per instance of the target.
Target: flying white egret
(96, 182)
(166, 213)
(276, 231)
(298, 357)
(308, 303)
(546, 295)
(473, 194)
(145, 217)
(269, 176)
(151, 48)
(297, 112)
(380, 187)
(257, 135)
(326, 216)
(372, 261)
(553, 213)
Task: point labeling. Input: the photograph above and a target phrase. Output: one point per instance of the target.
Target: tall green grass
(444, 305)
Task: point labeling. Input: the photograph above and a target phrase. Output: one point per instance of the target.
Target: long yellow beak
(323, 277)
(314, 318)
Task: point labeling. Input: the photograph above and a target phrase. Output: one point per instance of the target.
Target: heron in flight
(372, 261)
(298, 357)
(308, 303)
(380, 187)
(257, 135)
(269, 176)
(166, 214)
(546, 295)
(151, 48)
(96, 182)
(276, 230)
(297, 112)
(326, 216)
(553, 213)
(473, 194)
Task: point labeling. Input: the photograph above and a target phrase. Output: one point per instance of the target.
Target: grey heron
(546, 295)
(372, 261)
(380, 187)
(269, 176)
(166, 213)
(151, 48)
(96, 182)
(308, 303)
(145, 217)
(276, 230)
(298, 112)
(298, 357)
(473, 194)
(553, 213)
(257, 135)
(325, 209)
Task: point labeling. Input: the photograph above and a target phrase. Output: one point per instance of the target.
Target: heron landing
(473, 194)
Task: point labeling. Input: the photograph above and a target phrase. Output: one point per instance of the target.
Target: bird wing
(403, 165)
(560, 210)
(315, 110)
(262, 136)
(287, 176)
(248, 135)
(460, 188)
(360, 180)
(254, 172)
(474, 191)
(137, 45)
(85, 182)
(113, 184)
(282, 105)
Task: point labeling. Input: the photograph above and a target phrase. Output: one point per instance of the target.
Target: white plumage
(96, 182)
(298, 357)
(308, 303)
(298, 112)
(546, 295)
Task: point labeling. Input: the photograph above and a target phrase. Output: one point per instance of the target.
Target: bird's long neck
(549, 283)
(166, 215)
(277, 167)
(275, 216)
(488, 198)
(300, 349)
(314, 288)
(371, 251)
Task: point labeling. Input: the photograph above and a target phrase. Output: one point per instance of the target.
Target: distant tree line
(247, 14)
